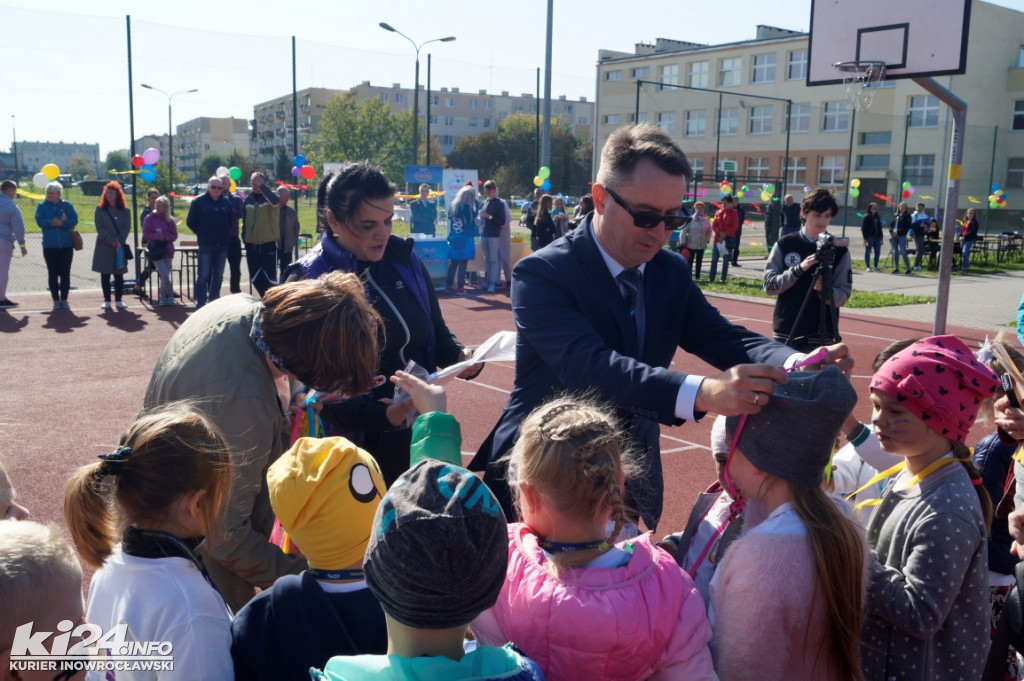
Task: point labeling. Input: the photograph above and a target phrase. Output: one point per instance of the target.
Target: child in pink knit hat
(926, 608)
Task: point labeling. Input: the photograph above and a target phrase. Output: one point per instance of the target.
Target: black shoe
(736, 264)
(5, 303)
(908, 271)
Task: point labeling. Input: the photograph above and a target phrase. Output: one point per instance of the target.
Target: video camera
(826, 248)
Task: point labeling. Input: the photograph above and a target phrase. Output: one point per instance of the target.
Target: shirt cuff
(687, 397)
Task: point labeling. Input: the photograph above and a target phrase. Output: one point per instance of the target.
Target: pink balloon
(151, 156)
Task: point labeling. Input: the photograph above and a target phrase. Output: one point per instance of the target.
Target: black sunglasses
(647, 220)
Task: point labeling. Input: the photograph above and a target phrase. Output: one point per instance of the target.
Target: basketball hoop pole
(956, 154)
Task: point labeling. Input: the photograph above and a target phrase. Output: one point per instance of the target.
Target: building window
(384, 97)
(567, 110)
(796, 69)
(919, 169)
(447, 140)
(433, 120)
(729, 72)
(882, 137)
(697, 164)
(698, 74)
(582, 120)
(613, 75)
(487, 122)
(1015, 173)
(641, 72)
(836, 116)
(502, 115)
(729, 121)
(873, 161)
(669, 75)
(696, 123)
(474, 103)
(1018, 115)
(797, 172)
(518, 107)
(1020, 58)
(399, 98)
(449, 120)
(487, 105)
(449, 102)
(763, 69)
(667, 122)
(643, 117)
(612, 119)
(761, 119)
(800, 118)
(533, 107)
(758, 167)
(434, 100)
(924, 111)
(832, 170)
(473, 121)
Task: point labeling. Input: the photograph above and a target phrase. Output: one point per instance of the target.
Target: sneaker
(5, 303)
(736, 264)
(120, 305)
(57, 305)
(105, 305)
(64, 305)
(917, 268)
(868, 269)
(490, 289)
(908, 271)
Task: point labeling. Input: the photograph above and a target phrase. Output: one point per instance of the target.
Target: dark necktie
(630, 281)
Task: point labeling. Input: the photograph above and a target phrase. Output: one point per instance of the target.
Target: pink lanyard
(739, 503)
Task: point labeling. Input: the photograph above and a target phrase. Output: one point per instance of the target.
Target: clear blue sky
(238, 53)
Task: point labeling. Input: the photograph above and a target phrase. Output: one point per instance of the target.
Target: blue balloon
(300, 160)
(546, 185)
(148, 173)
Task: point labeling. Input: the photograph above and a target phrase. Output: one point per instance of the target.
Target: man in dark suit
(605, 308)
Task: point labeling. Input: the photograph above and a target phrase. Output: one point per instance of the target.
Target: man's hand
(810, 261)
(397, 412)
(426, 397)
(1011, 420)
(744, 389)
(473, 370)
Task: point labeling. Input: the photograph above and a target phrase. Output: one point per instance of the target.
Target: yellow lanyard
(889, 472)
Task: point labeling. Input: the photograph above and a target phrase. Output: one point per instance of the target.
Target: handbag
(156, 250)
(127, 249)
(76, 240)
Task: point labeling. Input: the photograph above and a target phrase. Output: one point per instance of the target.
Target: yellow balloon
(233, 187)
(855, 183)
(51, 171)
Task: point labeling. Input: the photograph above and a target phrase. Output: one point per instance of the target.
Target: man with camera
(806, 261)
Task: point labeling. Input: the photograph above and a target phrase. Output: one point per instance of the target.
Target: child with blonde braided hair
(577, 600)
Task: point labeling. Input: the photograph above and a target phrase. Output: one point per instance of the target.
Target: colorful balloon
(137, 161)
(51, 171)
(299, 161)
(906, 193)
(911, 190)
(295, 169)
(233, 187)
(40, 180)
(538, 181)
(151, 156)
(765, 196)
(148, 173)
(808, 189)
(855, 183)
(906, 185)
(995, 188)
(769, 188)
(222, 171)
(544, 173)
(727, 188)
(235, 173)
(308, 172)
(854, 192)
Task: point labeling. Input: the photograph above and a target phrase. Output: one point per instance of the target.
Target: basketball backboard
(913, 37)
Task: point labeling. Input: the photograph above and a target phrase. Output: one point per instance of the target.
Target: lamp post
(14, 148)
(416, 88)
(170, 133)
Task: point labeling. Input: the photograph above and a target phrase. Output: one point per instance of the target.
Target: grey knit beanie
(438, 550)
(793, 435)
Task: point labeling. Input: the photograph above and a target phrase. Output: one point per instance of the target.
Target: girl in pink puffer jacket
(576, 601)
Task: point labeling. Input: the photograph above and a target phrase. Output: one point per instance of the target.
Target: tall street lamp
(170, 132)
(416, 89)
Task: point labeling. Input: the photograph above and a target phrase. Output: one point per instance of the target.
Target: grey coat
(112, 228)
(289, 230)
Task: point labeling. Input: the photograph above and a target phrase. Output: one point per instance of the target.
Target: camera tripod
(828, 315)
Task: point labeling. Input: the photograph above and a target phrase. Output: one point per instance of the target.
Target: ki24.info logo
(92, 650)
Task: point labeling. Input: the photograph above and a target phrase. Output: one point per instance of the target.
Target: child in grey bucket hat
(436, 559)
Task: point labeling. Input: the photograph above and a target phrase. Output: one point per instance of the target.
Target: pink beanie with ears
(939, 381)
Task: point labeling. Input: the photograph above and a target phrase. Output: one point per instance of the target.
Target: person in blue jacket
(56, 217)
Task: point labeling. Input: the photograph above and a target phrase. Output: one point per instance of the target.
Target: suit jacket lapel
(601, 286)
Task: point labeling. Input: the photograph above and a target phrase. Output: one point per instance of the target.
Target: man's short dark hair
(630, 144)
(8, 185)
(490, 184)
(820, 200)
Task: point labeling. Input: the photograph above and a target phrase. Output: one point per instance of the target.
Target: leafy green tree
(208, 166)
(352, 130)
(283, 167)
(80, 168)
(116, 160)
(239, 159)
(162, 183)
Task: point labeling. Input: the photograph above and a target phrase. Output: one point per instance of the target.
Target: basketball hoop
(859, 77)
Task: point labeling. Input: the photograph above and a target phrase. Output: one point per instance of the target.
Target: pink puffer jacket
(641, 621)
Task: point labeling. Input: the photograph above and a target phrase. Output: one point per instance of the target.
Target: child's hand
(426, 397)
(838, 354)
(397, 412)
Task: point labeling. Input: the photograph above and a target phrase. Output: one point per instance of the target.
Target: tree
(117, 161)
(80, 168)
(352, 130)
(162, 183)
(208, 165)
(239, 159)
(283, 167)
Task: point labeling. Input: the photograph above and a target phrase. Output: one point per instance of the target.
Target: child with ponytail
(576, 600)
(927, 604)
(138, 515)
(786, 600)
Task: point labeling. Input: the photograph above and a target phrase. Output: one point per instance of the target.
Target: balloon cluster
(302, 169)
(908, 190)
(767, 192)
(234, 174)
(854, 188)
(543, 178)
(145, 164)
(997, 199)
(724, 189)
(46, 175)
